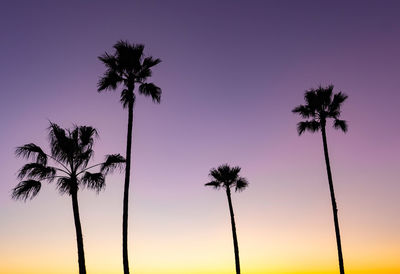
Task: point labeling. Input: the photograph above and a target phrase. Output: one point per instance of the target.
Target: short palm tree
(322, 104)
(70, 153)
(128, 67)
(228, 177)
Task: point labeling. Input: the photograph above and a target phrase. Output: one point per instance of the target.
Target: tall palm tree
(228, 177)
(322, 104)
(130, 68)
(70, 153)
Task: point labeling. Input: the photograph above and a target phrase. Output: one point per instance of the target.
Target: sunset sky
(231, 72)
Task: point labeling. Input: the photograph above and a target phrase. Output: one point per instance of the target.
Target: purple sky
(231, 73)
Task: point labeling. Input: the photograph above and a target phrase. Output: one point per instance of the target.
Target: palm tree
(321, 105)
(70, 152)
(128, 67)
(228, 177)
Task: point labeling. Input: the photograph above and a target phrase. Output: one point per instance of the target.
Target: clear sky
(231, 73)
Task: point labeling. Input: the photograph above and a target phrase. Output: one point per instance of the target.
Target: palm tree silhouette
(71, 152)
(128, 67)
(320, 106)
(227, 177)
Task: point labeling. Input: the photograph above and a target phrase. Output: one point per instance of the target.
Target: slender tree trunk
(126, 190)
(235, 241)
(78, 228)
(334, 207)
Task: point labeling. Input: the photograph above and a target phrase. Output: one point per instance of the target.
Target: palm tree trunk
(126, 190)
(334, 207)
(78, 229)
(235, 241)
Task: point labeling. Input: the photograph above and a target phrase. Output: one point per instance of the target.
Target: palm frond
(234, 172)
(241, 184)
(66, 185)
(150, 89)
(231, 175)
(337, 101)
(126, 97)
(143, 74)
(37, 171)
(149, 62)
(83, 138)
(73, 135)
(31, 150)
(145, 71)
(112, 162)
(335, 114)
(122, 45)
(214, 173)
(214, 184)
(26, 189)
(82, 158)
(340, 124)
(110, 61)
(304, 111)
(62, 147)
(129, 56)
(109, 81)
(94, 181)
(87, 134)
(325, 95)
(311, 99)
(311, 126)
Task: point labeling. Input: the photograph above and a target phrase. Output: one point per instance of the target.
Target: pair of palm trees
(320, 105)
(71, 150)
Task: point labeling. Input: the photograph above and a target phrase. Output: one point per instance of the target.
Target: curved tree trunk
(334, 207)
(126, 190)
(78, 229)
(235, 241)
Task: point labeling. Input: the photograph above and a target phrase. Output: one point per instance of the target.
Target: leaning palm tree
(128, 67)
(70, 155)
(228, 177)
(321, 105)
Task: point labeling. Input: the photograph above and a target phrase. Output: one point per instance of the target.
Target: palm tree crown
(128, 66)
(227, 177)
(320, 105)
(71, 152)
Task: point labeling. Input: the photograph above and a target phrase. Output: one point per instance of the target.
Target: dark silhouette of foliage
(71, 151)
(228, 177)
(322, 104)
(128, 67)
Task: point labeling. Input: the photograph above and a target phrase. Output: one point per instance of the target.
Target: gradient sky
(231, 73)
